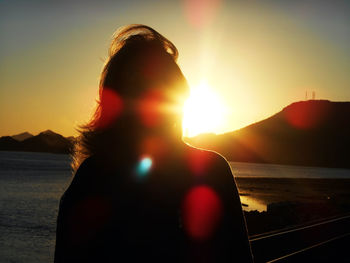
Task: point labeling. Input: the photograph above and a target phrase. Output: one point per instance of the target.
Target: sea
(31, 185)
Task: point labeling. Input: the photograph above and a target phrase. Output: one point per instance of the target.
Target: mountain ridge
(312, 133)
(22, 136)
(46, 141)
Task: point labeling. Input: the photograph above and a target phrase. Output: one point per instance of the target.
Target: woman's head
(142, 90)
(141, 69)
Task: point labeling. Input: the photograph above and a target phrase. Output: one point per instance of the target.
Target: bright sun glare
(203, 111)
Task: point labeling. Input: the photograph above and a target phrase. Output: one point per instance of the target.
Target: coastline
(285, 202)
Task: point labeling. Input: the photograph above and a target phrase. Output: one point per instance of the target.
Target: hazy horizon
(34, 134)
(257, 57)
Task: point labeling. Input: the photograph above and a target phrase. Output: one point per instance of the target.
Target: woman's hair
(141, 63)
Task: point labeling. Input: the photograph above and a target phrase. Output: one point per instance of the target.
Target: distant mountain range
(47, 141)
(22, 136)
(312, 133)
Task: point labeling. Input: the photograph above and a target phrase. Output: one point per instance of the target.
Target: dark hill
(313, 133)
(7, 143)
(47, 141)
(22, 136)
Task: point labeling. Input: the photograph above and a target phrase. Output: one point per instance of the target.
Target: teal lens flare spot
(144, 166)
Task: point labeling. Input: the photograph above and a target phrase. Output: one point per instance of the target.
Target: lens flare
(155, 146)
(199, 162)
(150, 108)
(307, 115)
(201, 12)
(111, 107)
(202, 211)
(144, 166)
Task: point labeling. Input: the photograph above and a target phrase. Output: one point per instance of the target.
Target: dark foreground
(319, 241)
(32, 183)
(293, 201)
(305, 220)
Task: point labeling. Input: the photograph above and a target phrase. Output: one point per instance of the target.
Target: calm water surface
(286, 171)
(30, 187)
(32, 183)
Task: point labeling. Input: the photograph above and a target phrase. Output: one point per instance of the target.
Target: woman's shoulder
(85, 169)
(82, 177)
(206, 160)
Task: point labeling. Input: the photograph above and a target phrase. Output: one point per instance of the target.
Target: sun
(203, 111)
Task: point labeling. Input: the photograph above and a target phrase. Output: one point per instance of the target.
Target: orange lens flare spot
(154, 146)
(307, 115)
(150, 108)
(198, 162)
(200, 12)
(202, 211)
(111, 107)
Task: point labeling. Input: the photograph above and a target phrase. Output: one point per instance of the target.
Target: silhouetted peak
(314, 114)
(48, 133)
(313, 133)
(46, 141)
(22, 136)
(7, 139)
(304, 103)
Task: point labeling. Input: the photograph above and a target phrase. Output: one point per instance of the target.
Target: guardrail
(320, 241)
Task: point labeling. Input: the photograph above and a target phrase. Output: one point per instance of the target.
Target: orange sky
(257, 57)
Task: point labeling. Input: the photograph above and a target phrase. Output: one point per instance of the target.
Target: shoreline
(284, 202)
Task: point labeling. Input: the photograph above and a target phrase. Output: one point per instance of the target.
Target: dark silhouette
(7, 143)
(140, 193)
(312, 133)
(46, 141)
(22, 136)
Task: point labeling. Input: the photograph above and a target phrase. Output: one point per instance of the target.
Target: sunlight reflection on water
(252, 204)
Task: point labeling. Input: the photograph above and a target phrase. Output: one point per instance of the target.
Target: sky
(256, 56)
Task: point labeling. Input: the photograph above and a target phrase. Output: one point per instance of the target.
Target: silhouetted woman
(141, 193)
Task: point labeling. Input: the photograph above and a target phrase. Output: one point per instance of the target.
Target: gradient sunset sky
(258, 56)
